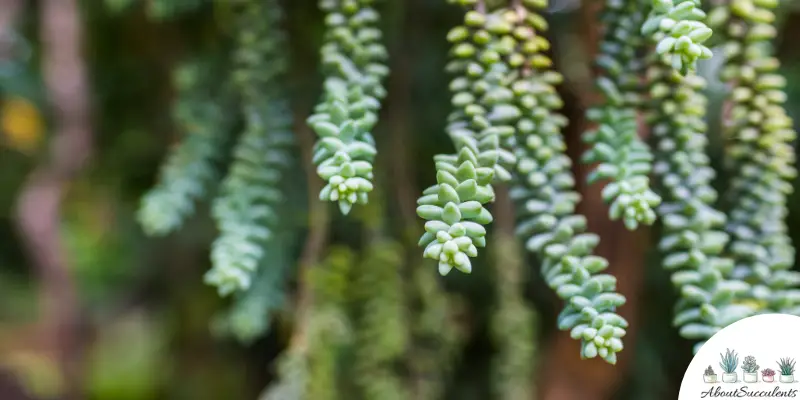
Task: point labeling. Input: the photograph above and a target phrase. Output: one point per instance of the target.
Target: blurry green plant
(727, 261)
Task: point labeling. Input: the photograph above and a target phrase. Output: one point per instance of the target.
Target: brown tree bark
(567, 376)
(39, 203)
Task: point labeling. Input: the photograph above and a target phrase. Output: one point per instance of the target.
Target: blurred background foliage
(151, 329)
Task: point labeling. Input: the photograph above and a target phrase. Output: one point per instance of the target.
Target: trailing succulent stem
(761, 157)
(544, 190)
(454, 207)
(352, 58)
(245, 209)
(624, 158)
(692, 239)
(189, 172)
(678, 28)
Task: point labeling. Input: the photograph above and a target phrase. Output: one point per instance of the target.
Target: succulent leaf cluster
(749, 365)
(761, 157)
(693, 238)
(623, 157)
(544, 190)
(679, 28)
(352, 59)
(455, 206)
(190, 171)
(245, 209)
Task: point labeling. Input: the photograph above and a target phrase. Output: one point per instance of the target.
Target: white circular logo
(755, 358)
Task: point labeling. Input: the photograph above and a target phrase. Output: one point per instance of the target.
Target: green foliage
(623, 157)
(189, 172)
(250, 315)
(245, 209)
(484, 113)
(761, 158)
(545, 195)
(164, 9)
(380, 325)
(749, 365)
(513, 326)
(786, 366)
(692, 239)
(436, 339)
(678, 27)
(729, 362)
(352, 59)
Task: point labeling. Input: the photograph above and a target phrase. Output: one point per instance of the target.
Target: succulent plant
(749, 365)
(709, 371)
(729, 361)
(768, 372)
(787, 366)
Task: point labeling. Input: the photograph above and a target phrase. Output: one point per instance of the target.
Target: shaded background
(129, 317)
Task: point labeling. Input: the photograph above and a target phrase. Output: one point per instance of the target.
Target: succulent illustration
(787, 366)
(709, 371)
(729, 361)
(749, 365)
(768, 372)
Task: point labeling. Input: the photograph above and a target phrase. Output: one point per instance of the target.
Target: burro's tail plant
(352, 58)
(623, 157)
(729, 256)
(544, 191)
(760, 157)
(679, 28)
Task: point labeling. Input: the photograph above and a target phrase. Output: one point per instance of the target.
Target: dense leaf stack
(624, 158)
(692, 237)
(189, 172)
(546, 197)
(679, 29)
(484, 109)
(250, 315)
(352, 59)
(761, 156)
(245, 209)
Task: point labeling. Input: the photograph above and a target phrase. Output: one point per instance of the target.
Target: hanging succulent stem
(454, 207)
(544, 190)
(352, 58)
(514, 321)
(624, 158)
(692, 238)
(245, 209)
(761, 157)
(189, 172)
(679, 29)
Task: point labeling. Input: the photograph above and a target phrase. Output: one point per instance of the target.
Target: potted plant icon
(728, 363)
(768, 375)
(750, 369)
(709, 376)
(786, 366)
